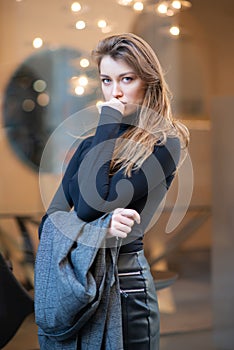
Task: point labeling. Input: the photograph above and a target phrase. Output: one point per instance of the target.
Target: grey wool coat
(77, 301)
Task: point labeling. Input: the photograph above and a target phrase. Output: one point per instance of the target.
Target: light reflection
(80, 25)
(99, 103)
(39, 85)
(170, 12)
(162, 8)
(102, 23)
(106, 30)
(138, 6)
(75, 7)
(84, 62)
(28, 105)
(176, 4)
(79, 90)
(37, 43)
(174, 30)
(43, 99)
(83, 80)
(124, 2)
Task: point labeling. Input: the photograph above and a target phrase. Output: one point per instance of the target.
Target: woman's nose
(117, 91)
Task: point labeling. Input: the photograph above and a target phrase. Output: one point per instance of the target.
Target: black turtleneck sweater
(88, 187)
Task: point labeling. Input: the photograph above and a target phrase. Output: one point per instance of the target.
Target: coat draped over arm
(77, 300)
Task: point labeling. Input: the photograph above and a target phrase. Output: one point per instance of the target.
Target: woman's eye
(106, 81)
(127, 79)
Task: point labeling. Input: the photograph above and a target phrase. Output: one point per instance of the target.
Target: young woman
(126, 169)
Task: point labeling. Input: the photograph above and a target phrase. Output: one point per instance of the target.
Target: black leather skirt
(140, 312)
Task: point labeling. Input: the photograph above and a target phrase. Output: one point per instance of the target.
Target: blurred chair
(15, 303)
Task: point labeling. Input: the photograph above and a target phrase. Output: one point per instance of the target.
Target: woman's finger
(114, 103)
(132, 214)
(129, 213)
(125, 220)
(121, 227)
(122, 222)
(116, 233)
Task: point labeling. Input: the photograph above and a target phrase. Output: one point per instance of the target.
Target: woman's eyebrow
(104, 75)
(120, 75)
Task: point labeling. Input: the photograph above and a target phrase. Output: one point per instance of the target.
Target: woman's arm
(62, 200)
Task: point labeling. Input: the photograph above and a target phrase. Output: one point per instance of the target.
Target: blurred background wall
(198, 65)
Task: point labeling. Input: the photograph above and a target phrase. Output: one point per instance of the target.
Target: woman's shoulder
(83, 146)
(170, 149)
(79, 149)
(172, 143)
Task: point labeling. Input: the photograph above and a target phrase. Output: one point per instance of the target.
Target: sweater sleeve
(62, 200)
(93, 175)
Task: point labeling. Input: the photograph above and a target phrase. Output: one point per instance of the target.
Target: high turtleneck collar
(128, 121)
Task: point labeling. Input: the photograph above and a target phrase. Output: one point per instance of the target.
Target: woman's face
(119, 80)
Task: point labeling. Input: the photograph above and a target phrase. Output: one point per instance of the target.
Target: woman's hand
(122, 221)
(113, 103)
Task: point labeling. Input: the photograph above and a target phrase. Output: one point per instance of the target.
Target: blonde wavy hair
(155, 122)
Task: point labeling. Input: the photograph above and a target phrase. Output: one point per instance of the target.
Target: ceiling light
(75, 7)
(138, 6)
(80, 25)
(175, 31)
(162, 8)
(37, 43)
(83, 80)
(176, 4)
(79, 90)
(125, 2)
(102, 23)
(84, 62)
